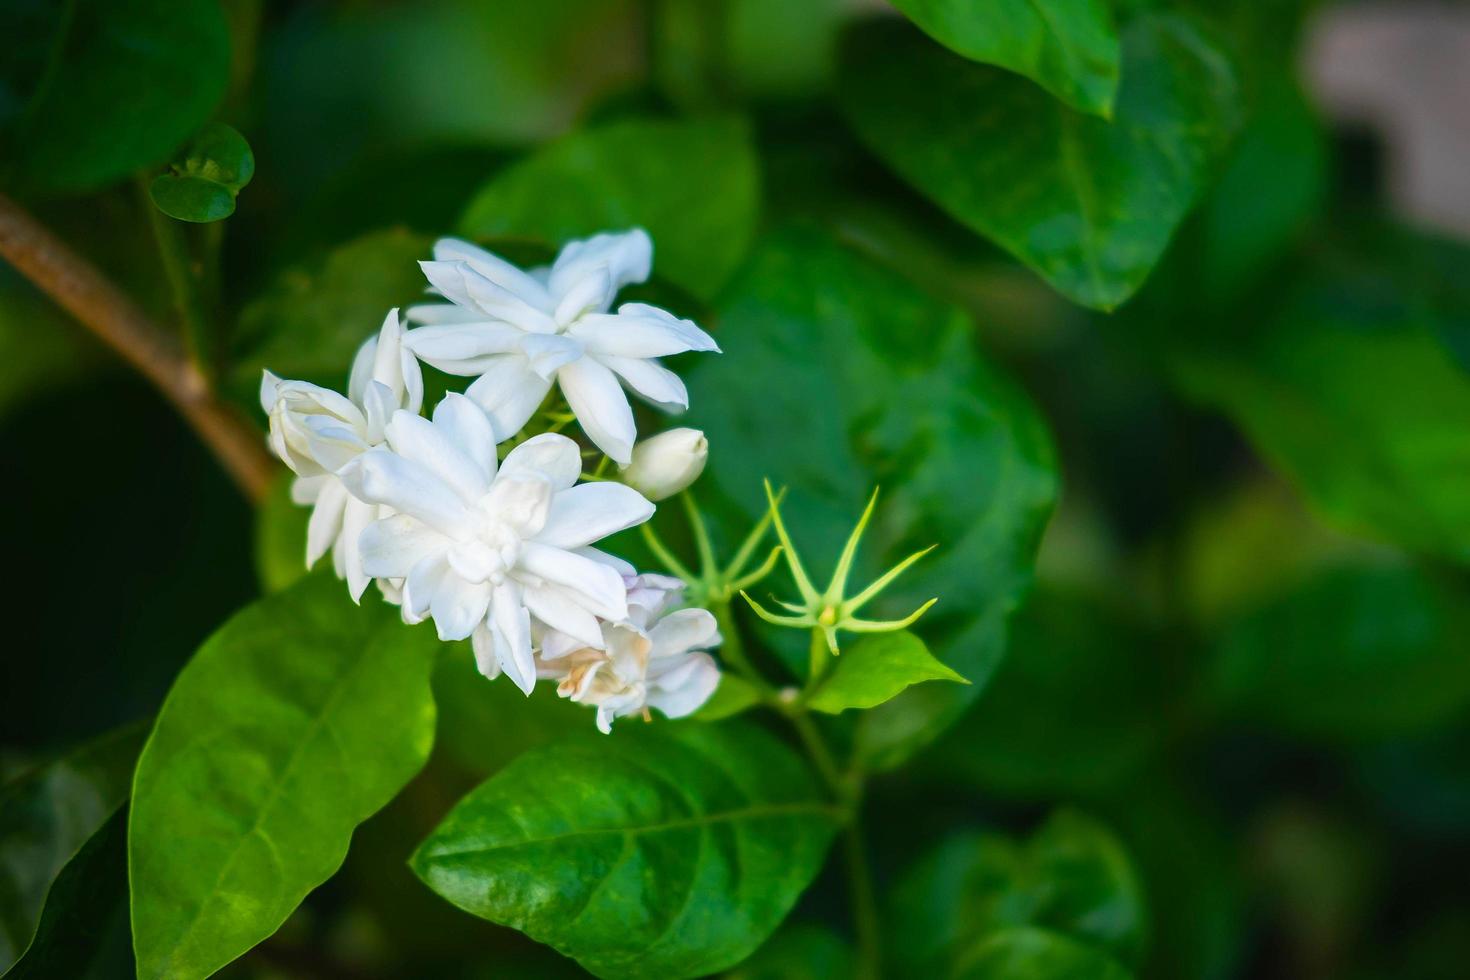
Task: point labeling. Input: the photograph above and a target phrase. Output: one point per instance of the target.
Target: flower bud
(667, 463)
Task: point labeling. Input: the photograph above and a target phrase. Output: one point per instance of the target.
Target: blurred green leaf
(203, 184)
(41, 349)
(1072, 876)
(297, 720)
(280, 537)
(906, 403)
(309, 324)
(1355, 653)
(1090, 205)
(46, 817)
(94, 89)
(83, 931)
(1069, 658)
(877, 668)
(1068, 47)
(636, 173)
(672, 850)
(1036, 954)
(733, 696)
(798, 952)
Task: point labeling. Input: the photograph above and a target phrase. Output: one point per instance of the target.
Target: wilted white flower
(519, 332)
(667, 463)
(316, 431)
(482, 547)
(649, 660)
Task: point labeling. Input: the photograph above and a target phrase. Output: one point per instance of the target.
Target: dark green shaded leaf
(280, 537)
(191, 198)
(906, 403)
(83, 932)
(671, 851)
(1361, 652)
(1036, 954)
(798, 952)
(636, 173)
(1072, 876)
(120, 85)
(1089, 205)
(733, 696)
(202, 185)
(46, 816)
(302, 716)
(1068, 47)
(875, 669)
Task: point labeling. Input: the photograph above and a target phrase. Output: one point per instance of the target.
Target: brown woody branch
(83, 291)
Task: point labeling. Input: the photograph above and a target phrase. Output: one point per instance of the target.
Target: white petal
(482, 641)
(651, 380)
(378, 404)
(420, 441)
(558, 608)
(469, 428)
(511, 623)
(623, 568)
(390, 548)
(306, 489)
(696, 681)
(420, 585)
(460, 348)
(448, 279)
(687, 629)
(640, 330)
(595, 586)
(381, 477)
(627, 256)
(598, 401)
(494, 268)
(520, 499)
(550, 454)
(270, 388)
(458, 606)
(592, 292)
(547, 352)
(502, 304)
(433, 314)
(326, 520)
(509, 392)
(592, 511)
(347, 557)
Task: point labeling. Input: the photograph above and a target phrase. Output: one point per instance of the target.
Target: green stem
(864, 902)
(732, 650)
(821, 756)
(185, 286)
(701, 535)
(818, 658)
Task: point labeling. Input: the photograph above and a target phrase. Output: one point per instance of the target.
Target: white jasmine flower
(667, 463)
(649, 660)
(482, 547)
(316, 431)
(519, 332)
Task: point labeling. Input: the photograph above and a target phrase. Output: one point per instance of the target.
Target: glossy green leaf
(906, 404)
(1357, 652)
(636, 173)
(1037, 954)
(733, 696)
(1072, 877)
(798, 952)
(83, 932)
(671, 851)
(875, 669)
(1090, 205)
(46, 816)
(1068, 658)
(91, 91)
(203, 184)
(1068, 47)
(1347, 388)
(298, 719)
(311, 321)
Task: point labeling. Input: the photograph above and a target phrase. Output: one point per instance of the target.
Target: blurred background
(1246, 648)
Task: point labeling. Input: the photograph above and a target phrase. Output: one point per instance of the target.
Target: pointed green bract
(669, 851)
(1068, 47)
(875, 669)
(1088, 204)
(295, 722)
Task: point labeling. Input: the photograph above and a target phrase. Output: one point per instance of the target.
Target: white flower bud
(667, 463)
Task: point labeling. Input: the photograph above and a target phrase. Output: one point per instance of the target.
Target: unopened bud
(667, 463)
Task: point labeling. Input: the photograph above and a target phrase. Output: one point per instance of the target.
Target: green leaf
(670, 851)
(1347, 389)
(1069, 658)
(46, 816)
(1072, 877)
(203, 184)
(93, 90)
(1355, 653)
(1068, 47)
(1036, 954)
(875, 669)
(906, 404)
(733, 696)
(636, 173)
(280, 537)
(308, 325)
(83, 932)
(1089, 205)
(798, 952)
(298, 719)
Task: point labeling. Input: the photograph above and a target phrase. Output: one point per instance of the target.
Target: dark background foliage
(1244, 645)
